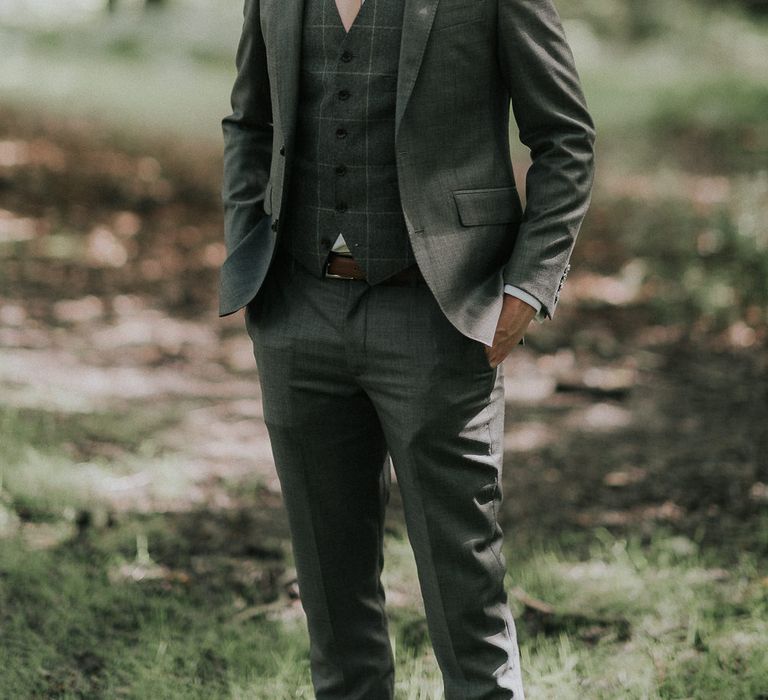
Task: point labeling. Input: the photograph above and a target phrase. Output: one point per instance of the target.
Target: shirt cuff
(527, 298)
(522, 294)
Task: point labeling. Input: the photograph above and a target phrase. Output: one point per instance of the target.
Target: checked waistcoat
(344, 174)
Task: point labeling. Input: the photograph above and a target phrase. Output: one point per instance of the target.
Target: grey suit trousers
(350, 372)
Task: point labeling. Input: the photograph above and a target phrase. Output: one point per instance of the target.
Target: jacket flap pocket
(497, 205)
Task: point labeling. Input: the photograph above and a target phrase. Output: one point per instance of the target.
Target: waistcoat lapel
(283, 40)
(417, 23)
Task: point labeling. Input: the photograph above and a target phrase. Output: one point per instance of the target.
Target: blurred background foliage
(675, 88)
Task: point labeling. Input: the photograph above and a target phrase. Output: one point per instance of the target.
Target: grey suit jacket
(462, 63)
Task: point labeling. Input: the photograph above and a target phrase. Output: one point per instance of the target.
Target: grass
(152, 606)
(80, 634)
(695, 630)
(55, 464)
(156, 605)
(684, 613)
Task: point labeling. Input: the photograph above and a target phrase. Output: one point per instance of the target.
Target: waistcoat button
(346, 56)
(344, 94)
(341, 133)
(341, 169)
(341, 207)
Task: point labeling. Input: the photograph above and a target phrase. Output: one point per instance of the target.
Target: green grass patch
(70, 631)
(694, 629)
(131, 429)
(129, 47)
(53, 464)
(684, 613)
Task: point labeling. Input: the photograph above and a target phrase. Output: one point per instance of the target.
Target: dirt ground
(109, 252)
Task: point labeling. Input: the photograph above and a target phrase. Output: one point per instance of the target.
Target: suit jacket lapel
(417, 23)
(284, 45)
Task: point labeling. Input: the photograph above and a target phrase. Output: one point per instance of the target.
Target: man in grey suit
(377, 240)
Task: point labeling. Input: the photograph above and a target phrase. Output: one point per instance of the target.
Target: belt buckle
(336, 277)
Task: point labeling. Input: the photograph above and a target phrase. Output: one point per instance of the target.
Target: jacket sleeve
(551, 114)
(247, 134)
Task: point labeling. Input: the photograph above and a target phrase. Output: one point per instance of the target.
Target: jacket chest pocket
(454, 13)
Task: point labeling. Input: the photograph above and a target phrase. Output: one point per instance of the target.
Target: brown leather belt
(340, 266)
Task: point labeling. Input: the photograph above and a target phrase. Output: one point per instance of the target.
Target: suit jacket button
(282, 150)
(274, 225)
